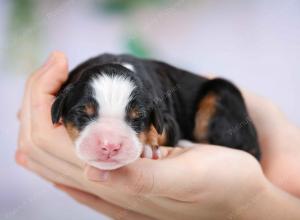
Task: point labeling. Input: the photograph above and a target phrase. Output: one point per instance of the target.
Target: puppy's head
(105, 111)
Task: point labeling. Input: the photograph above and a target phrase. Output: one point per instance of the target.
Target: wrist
(254, 194)
(271, 203)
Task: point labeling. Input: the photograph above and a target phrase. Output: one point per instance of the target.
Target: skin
(202, 182)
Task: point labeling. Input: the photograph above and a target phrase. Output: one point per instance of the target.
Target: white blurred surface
(254, 43)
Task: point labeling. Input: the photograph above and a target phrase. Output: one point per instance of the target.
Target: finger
(51, 175)
(145, 177)
(100, 205)
(44, 89)
(51, 80)
(32, 78)
(24, 138)
(47, 160)
(59, 145)
(20, 158)
(42, 170)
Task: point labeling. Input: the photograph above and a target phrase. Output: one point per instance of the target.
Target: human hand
(58, 163)
(279, 141)
(203, 182)
(48, 151)
(39, 141)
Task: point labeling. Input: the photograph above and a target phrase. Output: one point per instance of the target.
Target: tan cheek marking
(143, 137)
(152, 138)
(206, 110)
(72, 131)
(162, 138)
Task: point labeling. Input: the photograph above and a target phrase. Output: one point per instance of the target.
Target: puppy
(117, 108)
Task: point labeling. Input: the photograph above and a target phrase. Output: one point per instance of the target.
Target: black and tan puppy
(117, 108)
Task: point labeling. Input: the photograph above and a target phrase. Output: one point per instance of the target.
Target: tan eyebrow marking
(90, 109)
(134, 113)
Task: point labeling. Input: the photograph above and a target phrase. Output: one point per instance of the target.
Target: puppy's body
(161, 104)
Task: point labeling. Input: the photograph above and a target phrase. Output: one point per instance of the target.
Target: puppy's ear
(57, 106)
(56, 109)
(156, 118)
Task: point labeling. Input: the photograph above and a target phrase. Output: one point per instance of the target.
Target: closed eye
(135, 114)
(84, 112)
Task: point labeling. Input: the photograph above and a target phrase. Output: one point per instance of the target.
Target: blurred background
(254, 43)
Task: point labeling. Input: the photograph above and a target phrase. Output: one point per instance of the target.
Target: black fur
(166, 96)
(231, 125)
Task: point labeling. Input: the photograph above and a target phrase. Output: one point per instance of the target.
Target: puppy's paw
(151, 152)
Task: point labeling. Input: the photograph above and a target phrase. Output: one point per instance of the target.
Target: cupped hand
(203, 182)
(205, 174)
(279, 142)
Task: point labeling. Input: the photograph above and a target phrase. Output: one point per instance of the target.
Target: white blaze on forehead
(113, 93)
(128, 66)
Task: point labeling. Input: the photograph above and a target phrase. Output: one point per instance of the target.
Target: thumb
(44, 89)
(165, 177)
(49, 82)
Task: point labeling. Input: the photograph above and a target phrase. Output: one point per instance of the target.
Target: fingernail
(94, 174)
(21, 158)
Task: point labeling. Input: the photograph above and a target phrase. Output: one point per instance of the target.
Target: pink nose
(103, 144)
(110, 149)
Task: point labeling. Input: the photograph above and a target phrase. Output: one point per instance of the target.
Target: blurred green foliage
(22, 12)
(125, 6)
(22, 34)
(138, 47)
(26, 28)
